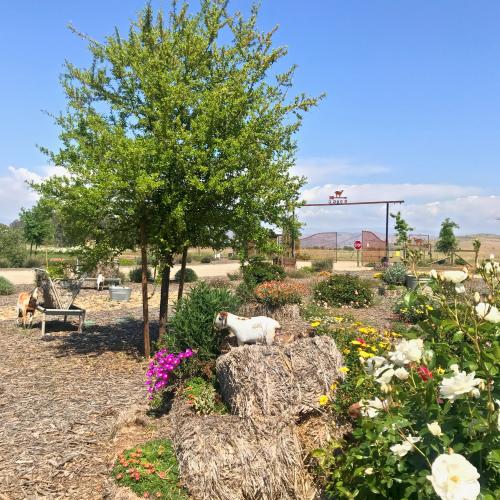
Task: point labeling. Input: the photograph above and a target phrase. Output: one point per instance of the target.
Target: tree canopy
(447, 241)
(178, 133)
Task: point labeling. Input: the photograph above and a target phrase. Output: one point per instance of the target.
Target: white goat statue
(254, 330)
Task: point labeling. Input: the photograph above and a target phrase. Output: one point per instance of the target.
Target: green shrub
(257, 271)
(4, 263)
(203, 397)
(303, 272)
(303, 256)
(33, 262)
(344, 289)
(150, 470)
(12, 245)
(135, 275)
(322, 265)
(234, 276)
(189, 276)
(6, 287)
(127, 262)
(191, 325)
(395, 274)
(206, 259)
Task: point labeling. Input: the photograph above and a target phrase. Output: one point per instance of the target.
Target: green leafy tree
(12, 245)
(37, 225)
(447, 241)
(402, 229)
(175, 135)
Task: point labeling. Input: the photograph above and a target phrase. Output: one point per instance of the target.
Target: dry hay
(289, 312)
(224, 457)
(279, 380)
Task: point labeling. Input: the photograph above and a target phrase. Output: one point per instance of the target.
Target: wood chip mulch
(60, 399)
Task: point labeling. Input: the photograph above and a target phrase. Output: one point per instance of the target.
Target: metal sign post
(357, 246)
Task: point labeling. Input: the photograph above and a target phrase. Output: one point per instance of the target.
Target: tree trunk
(182, 275)
(31, 248)
(145, 309)
(165, 287)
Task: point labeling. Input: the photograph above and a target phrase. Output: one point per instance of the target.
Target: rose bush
(429, 425)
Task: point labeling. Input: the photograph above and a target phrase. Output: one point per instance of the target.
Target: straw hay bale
(279, 380)
(225, 457)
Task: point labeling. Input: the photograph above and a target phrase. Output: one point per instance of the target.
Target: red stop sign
(357, 245)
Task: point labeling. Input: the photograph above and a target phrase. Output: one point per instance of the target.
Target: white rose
(369, 471)
(454, 478)
(371, 364)
(407, 351)
(384, 374)
(406, 446)
(454, 368)
(488, 312)
(460, 288)
(461, 383)
(401, 373)
(372, 407)
(435, 429)
(475, 393)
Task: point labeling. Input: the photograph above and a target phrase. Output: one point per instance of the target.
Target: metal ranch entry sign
(337, 199)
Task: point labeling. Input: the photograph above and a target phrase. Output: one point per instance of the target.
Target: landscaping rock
(225, 457)
(280, 380)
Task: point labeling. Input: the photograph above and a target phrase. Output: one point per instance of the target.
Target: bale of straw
(279, 380)
(225, 457)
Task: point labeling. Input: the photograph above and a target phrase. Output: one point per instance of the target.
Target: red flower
(424, 373)
(361, 341)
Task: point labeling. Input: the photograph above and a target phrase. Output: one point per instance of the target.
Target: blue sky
(412, 107)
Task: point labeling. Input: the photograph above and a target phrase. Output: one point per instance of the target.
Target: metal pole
(387, 231)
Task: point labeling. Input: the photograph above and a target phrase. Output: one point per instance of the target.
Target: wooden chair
(58, 298)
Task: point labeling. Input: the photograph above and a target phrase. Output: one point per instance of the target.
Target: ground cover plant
(150, 471)
(429, 425)
(202, 397)
(344, 289)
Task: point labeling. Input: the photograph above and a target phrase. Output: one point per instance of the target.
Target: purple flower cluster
(161, 367)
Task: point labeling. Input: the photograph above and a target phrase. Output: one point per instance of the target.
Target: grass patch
(150, 470)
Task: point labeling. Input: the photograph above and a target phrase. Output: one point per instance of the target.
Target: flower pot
(120, 293)
(411, 282)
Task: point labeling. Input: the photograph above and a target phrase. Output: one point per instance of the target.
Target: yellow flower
(373, 348)
(429, 308)
(333, 387)
(356, 342)
(346, 351)
(440, 370)
(364, 354)
(338, 319)
(323, 400)
(314, 324)
(383, 345)
(344, 369)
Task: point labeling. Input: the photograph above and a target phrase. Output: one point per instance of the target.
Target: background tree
(447, 241)
(402, 229)
(37, 225)
(12, 246)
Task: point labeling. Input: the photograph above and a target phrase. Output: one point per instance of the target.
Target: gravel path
(59, 401)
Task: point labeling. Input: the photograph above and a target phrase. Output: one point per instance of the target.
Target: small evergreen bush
(206, 259)
(258, 271)
(189, 277)
(344, 289)
(135, 275)
(395, 274)
(322, 265)
(6, 287)
(191, 325)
